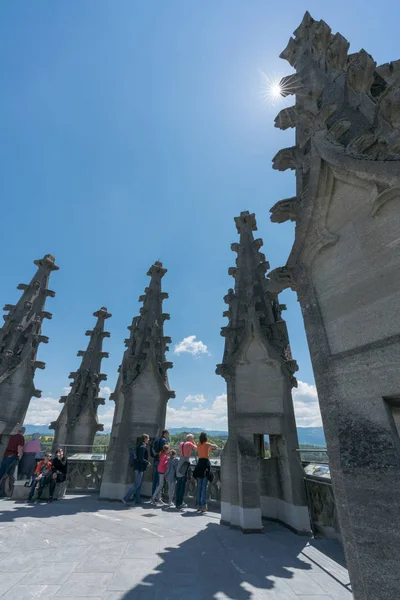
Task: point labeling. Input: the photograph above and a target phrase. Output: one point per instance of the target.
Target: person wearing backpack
(139, 461)
(155, 449)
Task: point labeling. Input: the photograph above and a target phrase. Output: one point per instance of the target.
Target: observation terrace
(80, 547)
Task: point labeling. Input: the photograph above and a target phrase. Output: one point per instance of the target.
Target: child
(170, 475)
(162, 467)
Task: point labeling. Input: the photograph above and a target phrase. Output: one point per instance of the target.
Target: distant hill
(212, 432)
(307, 435)
(43, 429)
(311, 435)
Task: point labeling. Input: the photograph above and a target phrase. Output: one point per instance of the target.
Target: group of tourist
(168, 467)
(46, 472)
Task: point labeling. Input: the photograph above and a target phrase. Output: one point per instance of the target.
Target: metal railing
(312, 453)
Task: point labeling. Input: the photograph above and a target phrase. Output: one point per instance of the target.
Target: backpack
(185, 470)
(133, 458)
(155, 447)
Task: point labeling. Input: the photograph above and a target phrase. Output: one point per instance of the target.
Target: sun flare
(271, 89)
(276, 90)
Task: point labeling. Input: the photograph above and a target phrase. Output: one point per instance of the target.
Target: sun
(276, 90)
(271, 89)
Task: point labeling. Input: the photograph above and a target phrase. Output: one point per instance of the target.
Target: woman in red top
(162, 467)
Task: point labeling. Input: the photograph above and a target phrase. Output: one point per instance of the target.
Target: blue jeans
(40, 483)
(180, 491)
(7, 464)
(202, 491)
(135, 489)
(156, 478)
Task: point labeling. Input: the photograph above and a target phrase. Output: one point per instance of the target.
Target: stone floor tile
(85, 584)
(54, 573)
(332, 586)
(313, 597)
(132, 572)
(271, 587)
(24, 563)
(68, 553)
(303, 583)
(143, 548)
(137, 593)
(31, 592)
(94, 563)
(8, 580)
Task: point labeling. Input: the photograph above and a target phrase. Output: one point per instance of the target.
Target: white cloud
(106, 415)
(195, 399)
(190, 346)
(213, 417)
(195, 414)
(42, 411)
(306, 406)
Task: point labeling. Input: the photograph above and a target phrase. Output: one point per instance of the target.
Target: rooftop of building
(81, 547)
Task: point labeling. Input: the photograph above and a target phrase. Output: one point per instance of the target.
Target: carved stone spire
(77, 423)
(251, 304)
(147, 341)
(259, 371)
(142, 391)
(20, 337)
(345, 265)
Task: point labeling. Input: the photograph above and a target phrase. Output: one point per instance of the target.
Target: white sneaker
(184, 505)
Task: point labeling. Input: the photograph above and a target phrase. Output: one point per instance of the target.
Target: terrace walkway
(81, 547)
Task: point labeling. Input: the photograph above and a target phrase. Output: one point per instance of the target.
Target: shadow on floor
(213, 562)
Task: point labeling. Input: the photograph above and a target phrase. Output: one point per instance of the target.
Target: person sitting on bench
(40, 477)
(59, 472)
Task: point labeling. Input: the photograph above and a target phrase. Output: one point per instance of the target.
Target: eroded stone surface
(345, 266)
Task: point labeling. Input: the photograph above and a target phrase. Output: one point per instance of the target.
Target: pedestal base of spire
(248, 520)
(294, 517)
(116, 491)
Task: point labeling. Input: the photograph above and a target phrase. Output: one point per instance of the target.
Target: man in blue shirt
(140, 465)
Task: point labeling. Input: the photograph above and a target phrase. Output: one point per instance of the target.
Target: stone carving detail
(20, 337)
(77, 423)
(366, 98)
(284, 210)
(85, 475)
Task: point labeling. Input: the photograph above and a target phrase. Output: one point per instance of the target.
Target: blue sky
(136, 131)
